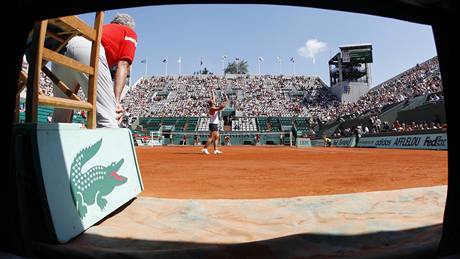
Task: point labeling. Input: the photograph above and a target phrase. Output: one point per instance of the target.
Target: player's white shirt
(214, 119)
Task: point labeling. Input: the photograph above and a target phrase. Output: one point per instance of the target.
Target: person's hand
(119, 110)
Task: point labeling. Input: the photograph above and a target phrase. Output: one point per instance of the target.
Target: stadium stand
(44, 113)
(203, 124)
(180, 124)
(274, 103)
(251, 96)
(275, 124)
(262, 123)
(278, 96)
(191, 124)
(244, 124)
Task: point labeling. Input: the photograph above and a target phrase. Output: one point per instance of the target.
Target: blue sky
(269, 31)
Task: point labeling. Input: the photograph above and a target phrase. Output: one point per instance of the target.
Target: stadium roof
(356, 45)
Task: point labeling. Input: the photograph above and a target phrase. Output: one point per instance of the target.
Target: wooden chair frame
(71, 25)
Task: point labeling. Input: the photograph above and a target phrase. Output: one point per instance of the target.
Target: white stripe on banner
(132, 40)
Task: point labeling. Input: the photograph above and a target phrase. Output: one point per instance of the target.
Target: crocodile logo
(96, 183)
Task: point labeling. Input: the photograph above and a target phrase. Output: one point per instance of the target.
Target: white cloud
(312, 48)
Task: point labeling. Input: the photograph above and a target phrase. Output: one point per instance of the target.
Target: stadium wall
(349, 91)
(336, 142)
(236, 138)
(429, 139)
(317, 142)
(428, 112)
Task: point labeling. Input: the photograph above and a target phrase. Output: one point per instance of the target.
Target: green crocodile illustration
(96, 183)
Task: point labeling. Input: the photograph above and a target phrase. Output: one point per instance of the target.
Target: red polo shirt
(119, 43)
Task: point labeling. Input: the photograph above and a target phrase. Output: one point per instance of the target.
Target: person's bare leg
(216, 140)
(216, 143)
(208, 142)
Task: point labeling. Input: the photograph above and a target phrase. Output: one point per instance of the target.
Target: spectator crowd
(268, 95)
(423, 79)
(281, 96)
(249, 96)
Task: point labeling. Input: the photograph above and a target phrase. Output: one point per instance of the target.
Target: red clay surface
(246, 172)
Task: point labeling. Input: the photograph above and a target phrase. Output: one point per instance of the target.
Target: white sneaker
(205, 151)
(217, 152)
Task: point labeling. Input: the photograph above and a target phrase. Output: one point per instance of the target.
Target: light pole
(201, 65)
(144, 61)
(224, 57)
(279, 62)
(260, 59)
(237, 59)
(165, 61)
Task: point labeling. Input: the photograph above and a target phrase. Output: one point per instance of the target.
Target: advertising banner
(317, 142)
(344, 142)
(421, 141)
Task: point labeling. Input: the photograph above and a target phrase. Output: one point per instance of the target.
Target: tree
(205, 71)
(237, 67)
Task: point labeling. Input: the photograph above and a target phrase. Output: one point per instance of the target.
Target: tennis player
(214, 124)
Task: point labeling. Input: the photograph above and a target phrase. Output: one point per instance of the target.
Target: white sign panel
(344, 142)
(87, 174)
(303, 142)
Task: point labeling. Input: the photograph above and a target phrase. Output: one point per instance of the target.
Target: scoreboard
(362, 55)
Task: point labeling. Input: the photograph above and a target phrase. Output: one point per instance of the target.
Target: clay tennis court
(203, 206)
(247, 172)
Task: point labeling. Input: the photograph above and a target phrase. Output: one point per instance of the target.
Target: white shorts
(79, 49)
